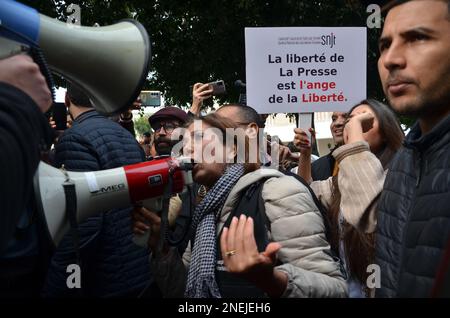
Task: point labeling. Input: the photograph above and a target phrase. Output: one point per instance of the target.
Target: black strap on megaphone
(71, 211)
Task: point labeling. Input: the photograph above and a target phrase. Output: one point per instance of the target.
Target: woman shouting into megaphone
(256, 233)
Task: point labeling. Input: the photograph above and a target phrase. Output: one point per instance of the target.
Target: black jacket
(414, 214)
(322, 168)
(112, 265)
(24, 133)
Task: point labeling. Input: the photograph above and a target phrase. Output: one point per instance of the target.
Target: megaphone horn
(100, 191)
(109, 63)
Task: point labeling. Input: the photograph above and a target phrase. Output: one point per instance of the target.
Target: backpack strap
(251, 204)
(262, 207)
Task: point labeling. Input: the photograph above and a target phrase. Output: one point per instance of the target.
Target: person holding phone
(200, 92)
(372, 136)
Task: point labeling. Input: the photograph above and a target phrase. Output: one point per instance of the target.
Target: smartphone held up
(216, 88)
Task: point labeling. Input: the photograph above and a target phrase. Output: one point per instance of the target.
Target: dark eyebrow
(407, 34)
(384, 40)
(421, 30)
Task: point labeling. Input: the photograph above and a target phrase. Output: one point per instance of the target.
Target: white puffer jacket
(297, 224)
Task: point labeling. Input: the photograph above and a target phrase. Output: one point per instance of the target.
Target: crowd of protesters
(262, 219)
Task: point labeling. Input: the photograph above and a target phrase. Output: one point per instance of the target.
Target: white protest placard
(305, 69)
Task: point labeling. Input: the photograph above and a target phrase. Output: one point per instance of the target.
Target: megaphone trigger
(142, 239)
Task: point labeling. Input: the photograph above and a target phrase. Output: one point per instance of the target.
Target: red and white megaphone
(100, 191)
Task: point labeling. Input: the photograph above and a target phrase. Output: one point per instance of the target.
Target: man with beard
(164, 122)
(413, 221)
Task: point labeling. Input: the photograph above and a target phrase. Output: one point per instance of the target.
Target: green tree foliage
(200, 41)
(141, 125)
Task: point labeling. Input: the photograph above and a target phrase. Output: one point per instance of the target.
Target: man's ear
(230, 153)
(67, 100)
(252, 130)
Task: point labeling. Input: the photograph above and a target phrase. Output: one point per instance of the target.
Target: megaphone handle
(153, 205)
(141, 240)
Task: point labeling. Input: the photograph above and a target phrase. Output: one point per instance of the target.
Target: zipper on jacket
(419, 169)
(403, 250)
(405, 229)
